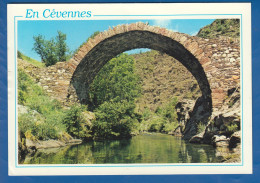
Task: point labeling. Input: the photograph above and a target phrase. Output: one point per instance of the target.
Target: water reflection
(147, 148)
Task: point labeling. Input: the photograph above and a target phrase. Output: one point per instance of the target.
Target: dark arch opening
(107, 49)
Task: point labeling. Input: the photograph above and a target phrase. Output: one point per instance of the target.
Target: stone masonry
(215, 63)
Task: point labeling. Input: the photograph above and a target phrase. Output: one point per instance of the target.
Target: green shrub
(50, 111)
(53, 50)
(156, 124)
(114, 120)
(169, 127)
(232, 128)
(201, 127)
(168, 111)
(164, 119)
(35, 126)
(27, 88)
(75, 123)
(146, 114)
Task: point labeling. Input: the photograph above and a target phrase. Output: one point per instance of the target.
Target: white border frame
(137, 11)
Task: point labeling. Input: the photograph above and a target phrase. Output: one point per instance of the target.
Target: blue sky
(78, 31)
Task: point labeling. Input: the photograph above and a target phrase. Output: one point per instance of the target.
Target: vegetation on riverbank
(45, 117)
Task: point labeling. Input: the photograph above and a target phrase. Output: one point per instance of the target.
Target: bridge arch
(97, 52)
(196, 54)
(105, 46)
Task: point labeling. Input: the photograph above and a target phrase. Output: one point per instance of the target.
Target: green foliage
(115, 81)
(232, 128)
(112, 95)
(221, 27)
(75, 123)
(27, 89)
(39, 46)
(61, 46)
(28, 122)
(114, 119)
(42, 127)
(164, 119)
(156, 123)
(146, 114)
(168, 111)
(53, 50)
(30, 60)
(93, 35)
(201, 127)
(49, 111)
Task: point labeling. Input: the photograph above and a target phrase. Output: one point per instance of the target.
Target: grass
(30, 60)
(44, 117)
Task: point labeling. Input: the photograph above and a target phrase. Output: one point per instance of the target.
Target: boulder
(198, 139)
(220, 141)
(39, 144)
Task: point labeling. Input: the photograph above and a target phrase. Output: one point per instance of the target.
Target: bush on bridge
(53, 50)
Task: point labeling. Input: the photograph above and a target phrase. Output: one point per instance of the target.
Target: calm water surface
(146, 148)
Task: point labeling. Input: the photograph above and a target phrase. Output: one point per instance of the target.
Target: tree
(53, 50)
(111, 95)
(39, 46)
(115, 81)
(61, 46)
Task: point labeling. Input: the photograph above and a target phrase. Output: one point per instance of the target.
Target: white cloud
(176, 28)
(166, 23)
(162, 22)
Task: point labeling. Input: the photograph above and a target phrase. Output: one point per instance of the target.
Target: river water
(146, 148)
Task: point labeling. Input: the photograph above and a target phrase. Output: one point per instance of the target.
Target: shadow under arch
(110, 47)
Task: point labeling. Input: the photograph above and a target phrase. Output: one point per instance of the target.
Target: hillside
(34, 62)
(162, 78)
(221, 27)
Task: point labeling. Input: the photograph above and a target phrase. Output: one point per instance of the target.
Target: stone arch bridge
(215, 64)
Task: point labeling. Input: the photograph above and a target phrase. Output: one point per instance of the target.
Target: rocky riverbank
(223, 129)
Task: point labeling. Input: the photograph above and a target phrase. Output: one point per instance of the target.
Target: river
(146, 148)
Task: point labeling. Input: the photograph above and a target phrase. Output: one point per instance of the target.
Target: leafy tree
(61, 46)
(50, 53)
(115, 81)
(53, 50)
(39, 46)
(112, 95)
